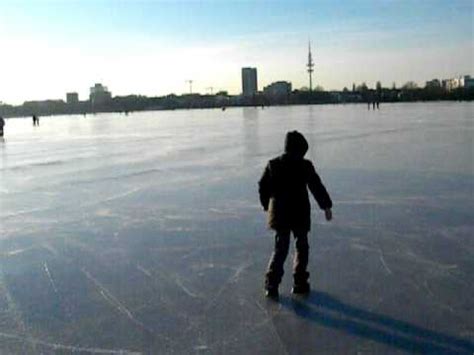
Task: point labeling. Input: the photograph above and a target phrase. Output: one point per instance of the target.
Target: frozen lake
(143, 233)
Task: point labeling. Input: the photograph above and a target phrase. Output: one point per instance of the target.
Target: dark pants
(275, 266)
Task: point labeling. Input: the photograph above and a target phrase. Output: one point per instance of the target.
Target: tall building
(99, 94)
(310, 67)
(468, 82)
(249, 81)
(451, 84)
(72, 98)
(465, 82)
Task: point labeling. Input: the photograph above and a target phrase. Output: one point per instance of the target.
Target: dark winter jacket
(284, 185)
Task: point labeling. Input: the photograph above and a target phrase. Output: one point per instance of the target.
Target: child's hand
(328, 214)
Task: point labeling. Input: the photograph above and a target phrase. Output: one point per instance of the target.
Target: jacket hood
(295, 144)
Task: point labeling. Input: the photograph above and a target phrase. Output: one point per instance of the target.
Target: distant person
(373, 105)
(378, 103)
(2, 124)
(283, 193)
(35, 120)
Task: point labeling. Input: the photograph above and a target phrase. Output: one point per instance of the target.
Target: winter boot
(272, 293)
(301, 288)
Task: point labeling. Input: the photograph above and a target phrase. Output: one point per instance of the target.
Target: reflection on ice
(143, 234)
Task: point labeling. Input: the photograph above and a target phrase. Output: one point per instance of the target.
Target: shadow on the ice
(331, 312)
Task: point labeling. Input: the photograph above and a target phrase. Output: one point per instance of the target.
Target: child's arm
(319, 192)
(264, 189)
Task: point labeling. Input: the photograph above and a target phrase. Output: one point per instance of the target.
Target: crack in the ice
(143, 270)
(72, 348)
(273, 326)
(232, 338)
(49, 248)
(16, 251)
(165, 279)
(46, 269)
(114, 302)
(233, 278)
(435, 299)
(382, 260)
(185, 289)
(13, 309)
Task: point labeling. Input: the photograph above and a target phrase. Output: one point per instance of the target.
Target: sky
(48, 48)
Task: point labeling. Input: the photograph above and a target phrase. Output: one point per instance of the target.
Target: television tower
(190, 82)
(310, 66)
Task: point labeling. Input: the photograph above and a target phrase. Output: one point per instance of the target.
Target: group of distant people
(375, 103)
(2, 124)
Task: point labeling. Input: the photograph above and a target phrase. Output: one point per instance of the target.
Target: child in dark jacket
(283, 191)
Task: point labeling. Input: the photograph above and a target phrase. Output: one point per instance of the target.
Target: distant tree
(410, 85)
(345, 89)
(362, 87)
(318, 88)
(304, 88)
(353, 87)
(394, 86)
(432, 84)
(222, 93)
(378, 87)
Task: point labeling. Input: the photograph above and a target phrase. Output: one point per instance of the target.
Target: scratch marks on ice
(232, 279)
(59, 347)
(114, 302)
(382, 260)
(14, 310)
(143, 270)
(185, 289)
(46, 269)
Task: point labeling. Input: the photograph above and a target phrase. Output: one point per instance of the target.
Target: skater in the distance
(2, 124)
(283, 191)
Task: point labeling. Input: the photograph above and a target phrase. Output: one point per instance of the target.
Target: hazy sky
(151, 47)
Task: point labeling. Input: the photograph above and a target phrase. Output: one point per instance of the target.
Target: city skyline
(447, 84)
(50, 48)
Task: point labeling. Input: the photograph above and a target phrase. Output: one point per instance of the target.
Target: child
(284, 194)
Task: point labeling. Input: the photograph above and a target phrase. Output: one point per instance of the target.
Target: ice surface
(143, 234)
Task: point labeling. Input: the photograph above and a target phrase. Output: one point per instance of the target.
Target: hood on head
(295, 144)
